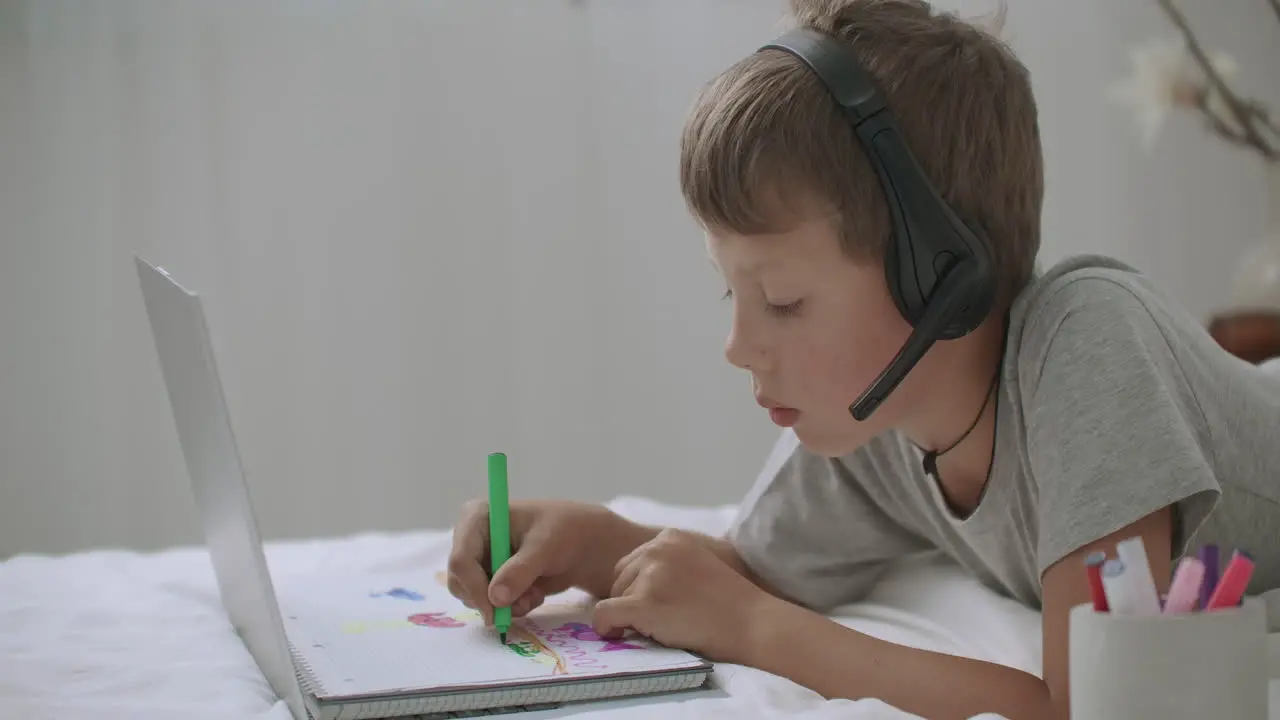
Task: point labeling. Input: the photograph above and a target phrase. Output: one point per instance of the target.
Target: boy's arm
(838, 662)
(1065, 586)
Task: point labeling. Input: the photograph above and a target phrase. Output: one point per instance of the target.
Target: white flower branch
(1249, 120)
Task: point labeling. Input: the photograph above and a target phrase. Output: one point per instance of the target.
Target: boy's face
(814, 329)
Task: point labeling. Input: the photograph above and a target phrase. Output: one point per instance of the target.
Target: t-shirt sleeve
(810, 530)
(1114, 430)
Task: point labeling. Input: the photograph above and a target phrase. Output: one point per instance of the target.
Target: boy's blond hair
(765, 137)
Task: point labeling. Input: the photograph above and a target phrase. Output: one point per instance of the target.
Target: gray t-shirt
(1113, 404)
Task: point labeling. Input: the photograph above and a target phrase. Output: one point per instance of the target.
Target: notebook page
(411, 635)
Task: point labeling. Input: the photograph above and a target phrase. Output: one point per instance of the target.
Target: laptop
(337, 651)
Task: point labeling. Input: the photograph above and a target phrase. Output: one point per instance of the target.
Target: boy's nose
(741, 353)
(733, 353)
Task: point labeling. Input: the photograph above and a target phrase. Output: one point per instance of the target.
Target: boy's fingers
(528, 602)
(467, 579)
(468, 583)
(517, 575)
(471, 534)
(613, 616)
(550, 585)
(625, 575)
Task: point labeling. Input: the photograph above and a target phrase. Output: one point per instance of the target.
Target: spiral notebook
(374, 650)
(340, 650)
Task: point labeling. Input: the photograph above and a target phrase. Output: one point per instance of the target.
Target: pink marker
(1184, 591)
(1235, 579)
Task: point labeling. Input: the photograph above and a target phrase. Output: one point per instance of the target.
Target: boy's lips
(781, 415)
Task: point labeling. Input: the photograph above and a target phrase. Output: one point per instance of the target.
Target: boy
(1084, 408)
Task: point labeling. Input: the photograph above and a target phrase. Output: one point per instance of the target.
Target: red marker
(1093, 568)
(1231, 587)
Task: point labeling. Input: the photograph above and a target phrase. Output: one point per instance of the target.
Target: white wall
(428, 230)
(1181, 211)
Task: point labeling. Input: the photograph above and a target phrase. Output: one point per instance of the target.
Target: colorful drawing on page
(436, 620)
(562, 647)
(525, 643)
(578, 645)
(584, 632)
(455, 619)
(520, 640)
(399, 593)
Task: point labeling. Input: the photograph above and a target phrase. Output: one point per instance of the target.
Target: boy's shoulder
(1088, 284)
(1092, 309)
(1097, 351)
(1068, 274)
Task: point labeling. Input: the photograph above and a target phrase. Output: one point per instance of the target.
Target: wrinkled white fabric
(110, 635)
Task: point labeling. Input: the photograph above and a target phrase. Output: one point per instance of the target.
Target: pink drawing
(435, 620)
(582, 631)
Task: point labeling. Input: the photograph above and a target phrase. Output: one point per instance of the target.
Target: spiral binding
(501, 701)
(307, 676)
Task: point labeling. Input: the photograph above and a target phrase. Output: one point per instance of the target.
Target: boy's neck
(963, 395)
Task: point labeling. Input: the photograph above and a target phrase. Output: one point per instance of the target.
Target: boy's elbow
(1059, 704)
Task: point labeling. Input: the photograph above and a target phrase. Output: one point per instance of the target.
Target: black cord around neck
(930, 459)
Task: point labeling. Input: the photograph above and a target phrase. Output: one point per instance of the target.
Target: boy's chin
(828, 441)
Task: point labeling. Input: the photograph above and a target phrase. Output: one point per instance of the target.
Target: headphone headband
(838, 69)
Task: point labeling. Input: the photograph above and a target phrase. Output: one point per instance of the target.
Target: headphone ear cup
(977, 304)
(975, 307)
(974, 311)
(896, 283)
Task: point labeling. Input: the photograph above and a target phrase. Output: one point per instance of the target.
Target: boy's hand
(677, 591)
(555, 546)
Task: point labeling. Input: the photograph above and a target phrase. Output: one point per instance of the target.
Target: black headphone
(939, 269)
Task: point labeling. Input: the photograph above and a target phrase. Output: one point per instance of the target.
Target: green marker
(499, 531)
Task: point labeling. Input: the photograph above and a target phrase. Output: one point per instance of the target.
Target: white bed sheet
(113, 635)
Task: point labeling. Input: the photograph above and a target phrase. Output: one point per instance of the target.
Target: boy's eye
(785, 310)
(780, 310)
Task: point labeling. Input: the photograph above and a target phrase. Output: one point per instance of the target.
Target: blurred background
(426, 230)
